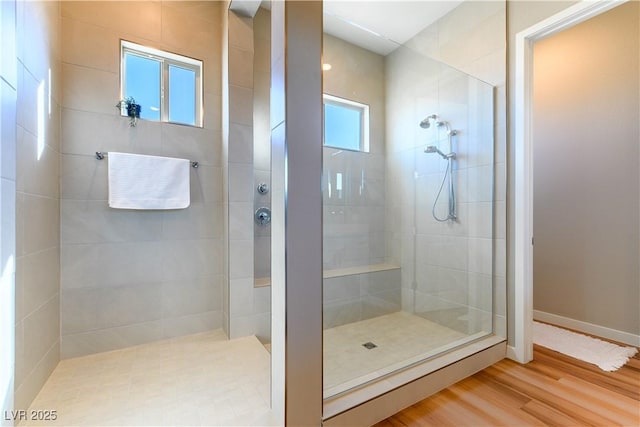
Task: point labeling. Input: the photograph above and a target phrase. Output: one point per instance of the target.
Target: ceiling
(381, 26)
(378, 25)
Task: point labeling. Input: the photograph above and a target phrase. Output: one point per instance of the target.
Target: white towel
(148, 182)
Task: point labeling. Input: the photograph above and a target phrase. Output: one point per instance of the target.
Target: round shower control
(263, 216)
(263, 188)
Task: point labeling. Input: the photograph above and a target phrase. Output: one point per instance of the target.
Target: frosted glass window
(168, 87)
(346, 124)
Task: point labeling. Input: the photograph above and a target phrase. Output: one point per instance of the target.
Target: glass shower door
(408, 180)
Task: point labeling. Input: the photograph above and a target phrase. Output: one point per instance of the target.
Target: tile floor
(399, 337)
(198, 380)
(207, 380)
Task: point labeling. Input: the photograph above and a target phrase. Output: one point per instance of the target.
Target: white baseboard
(511, 354)
(589, 328)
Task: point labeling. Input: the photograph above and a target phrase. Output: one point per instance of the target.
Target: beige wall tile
(80, 137)
(240, 67)
(191, 324)
(32, 383)
(139, 18)
(128, 305)
(206, 185)
(41, 332)
(212, 110)
(198, 144)
(195, 222)
(208, 11)
(241, 221)
(85, 221)
(240, 32)
(27, 108)
(110, 264)
(41, 271)
(36, 170)
(189, 32)
(191, 259)
(241, 105)
(241, 297)
(41, 223)
(191, 297)
(88, 89)
(240, 182)
(240, 259)
(90, 45)
(37, 166)
(240, 143)
(79, 310)
(83, 178)
(109, 339)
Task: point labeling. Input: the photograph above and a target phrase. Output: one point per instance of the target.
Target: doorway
(524, 155)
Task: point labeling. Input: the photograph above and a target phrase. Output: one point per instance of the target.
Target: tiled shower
(90, 279)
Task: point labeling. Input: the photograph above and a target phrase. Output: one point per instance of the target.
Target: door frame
(522, 348)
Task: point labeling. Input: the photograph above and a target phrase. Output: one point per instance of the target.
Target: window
(346, 124)
(167, 86)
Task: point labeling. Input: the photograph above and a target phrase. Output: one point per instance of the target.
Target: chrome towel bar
(100, 155)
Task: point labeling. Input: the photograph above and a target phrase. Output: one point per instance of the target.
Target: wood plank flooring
(552, 390)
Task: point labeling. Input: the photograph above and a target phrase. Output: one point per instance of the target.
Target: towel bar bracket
(101, 155)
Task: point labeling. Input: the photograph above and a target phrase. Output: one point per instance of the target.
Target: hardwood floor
(552, 390)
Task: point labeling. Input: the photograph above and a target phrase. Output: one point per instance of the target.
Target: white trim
(161, 54)
(523, 165)
(588, 328)
(511, 353)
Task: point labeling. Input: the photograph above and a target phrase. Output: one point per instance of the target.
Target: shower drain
(369, 345)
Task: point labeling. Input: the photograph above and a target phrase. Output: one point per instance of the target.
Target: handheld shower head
(434, 149)
(431, 149)
(425, 124)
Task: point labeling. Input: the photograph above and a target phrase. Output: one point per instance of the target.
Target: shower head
(434, 149)
(425, 124)
(431, 149)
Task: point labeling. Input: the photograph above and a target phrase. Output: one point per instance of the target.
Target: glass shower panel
(408, 225)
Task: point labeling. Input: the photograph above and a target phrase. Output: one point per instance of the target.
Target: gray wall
(586, 183)
(520, 15)
(130, 277)
(38, 197)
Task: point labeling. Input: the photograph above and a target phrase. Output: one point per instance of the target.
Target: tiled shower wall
(261, 137)
(460, 264)
(249, 307)
(354, 208)
(8, 103)
(129, 277)
(36, 165)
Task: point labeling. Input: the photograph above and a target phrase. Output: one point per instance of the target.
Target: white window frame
(166, 59)
(364, 122)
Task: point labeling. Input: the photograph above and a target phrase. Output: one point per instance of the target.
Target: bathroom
(410, 224)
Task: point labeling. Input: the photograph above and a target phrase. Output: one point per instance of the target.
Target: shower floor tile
(398, 337)
(198, 380)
